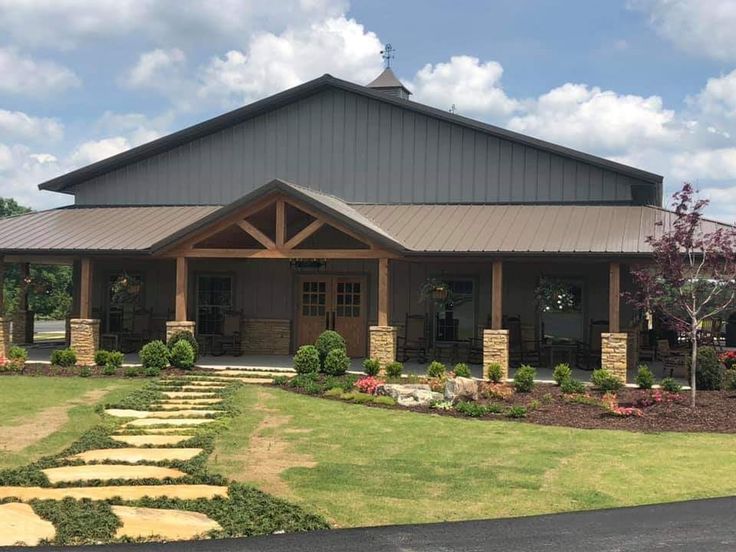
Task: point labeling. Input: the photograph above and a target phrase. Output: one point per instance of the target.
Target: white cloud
(95, 150)
(701, 27)
(714, 164)
(21, 74)
(274, 62)
(18, 126)
(21, 169)
(157, 70)
(473, 87)
(597, 120)
(69, 23)
(718, 98)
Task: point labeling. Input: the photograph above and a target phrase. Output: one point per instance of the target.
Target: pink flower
(368, 384)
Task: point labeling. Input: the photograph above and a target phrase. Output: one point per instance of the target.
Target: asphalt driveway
(700, 525)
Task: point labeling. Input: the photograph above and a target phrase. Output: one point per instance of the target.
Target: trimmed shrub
(729, 380)
(436, 369)
(605, 381)
(181, 356)
(462, 370)
(85, 372)
(709, 373)
(328, 341)
(495, 373)
(153, 371)
(17, 357)
(516, 412)
(64, 358)
(561, 373)
(472, 409)
(184, 335)
(101, 357)
(394, 369)
(154, 354)
(306, 360)
(371, 367)
(670, 385)
(108, 370)
(134, 371)
(115, 359)
(571, 386)
(524, 379)
(336, 362)
(644, 377)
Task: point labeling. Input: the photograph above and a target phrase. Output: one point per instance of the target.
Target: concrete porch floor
(42, 353)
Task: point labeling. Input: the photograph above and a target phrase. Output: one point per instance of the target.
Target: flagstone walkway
(187, 403)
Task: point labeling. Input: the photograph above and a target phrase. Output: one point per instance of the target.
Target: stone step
(144, 523)
(160, 430)
(125, 413)
(187, 395)
(106, 472)
(126, 492)
(148, 440)
(135, 455)
(20, 525)
(212, 389)
(145, 422)
(180, 405)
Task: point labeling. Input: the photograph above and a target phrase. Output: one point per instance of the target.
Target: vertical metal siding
(361, 150)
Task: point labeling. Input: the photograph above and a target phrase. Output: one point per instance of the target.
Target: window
(214, 301)
(455, 320)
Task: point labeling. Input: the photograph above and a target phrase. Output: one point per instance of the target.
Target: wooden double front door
(328, 302)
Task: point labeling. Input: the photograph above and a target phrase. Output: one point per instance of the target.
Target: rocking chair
(413, 342)
(230, 342)
(590, 352)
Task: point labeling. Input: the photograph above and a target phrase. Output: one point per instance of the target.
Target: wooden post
(85, 289)
(280, 223)
(383, 292)
(25, 272)
(497, 296)
(614, 297)
(181, 289)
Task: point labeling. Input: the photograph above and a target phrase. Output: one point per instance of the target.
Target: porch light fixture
(308, 265)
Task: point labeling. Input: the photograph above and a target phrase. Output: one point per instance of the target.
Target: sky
(650, 83)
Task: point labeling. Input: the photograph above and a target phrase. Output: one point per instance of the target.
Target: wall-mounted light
(308, 265)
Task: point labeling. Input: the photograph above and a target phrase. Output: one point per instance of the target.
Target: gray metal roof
(95, 229)
(64, 182)
(387, 79)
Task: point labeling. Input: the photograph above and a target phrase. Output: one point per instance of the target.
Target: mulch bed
(715, 411)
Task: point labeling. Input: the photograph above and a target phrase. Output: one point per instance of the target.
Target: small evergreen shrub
(561, 373)
(17, 357)
(394, 369)
(108, 370)
(571, 386)
(605, 381)
(709, 373)
(524, 379)
(670, 385)
(132, 372)
(516, 412)
(115, 359)
(644, 377)
(85, 372)
(64, 358)
(336, 362)
(471, 409)
(462, 370)
(495, 373)
(371, 367)
(729, 380)
(306, 360)
(280, 380)
(181, 355)
(153, 371)
(101, 357)
(184, 335)
(154, 354)
(328, 341)
(436, 369)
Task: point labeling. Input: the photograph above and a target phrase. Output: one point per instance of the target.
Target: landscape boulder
(459, 388)
(407, 394)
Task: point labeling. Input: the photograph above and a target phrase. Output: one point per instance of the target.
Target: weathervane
(388, 53)
(453, 109)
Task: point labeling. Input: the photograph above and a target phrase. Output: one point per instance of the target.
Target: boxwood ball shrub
(495, 373)
(154, 355)
(644, 377)
(524, 378)
(328, 341)
(371, 367)
(306, 360)
(336, 362)
(115, 359)
(186, 336)
(101, 357)
(461, 370)
(605, 381)
(181, 355)
(436, 369)
(394, 369)
(64, 358)
(561, 373)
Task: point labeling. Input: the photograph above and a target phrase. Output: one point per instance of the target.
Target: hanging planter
(435, 290)
(555, 295)
(125, 289)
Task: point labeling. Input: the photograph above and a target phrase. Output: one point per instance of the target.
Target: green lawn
(372, 466)
(42, 415)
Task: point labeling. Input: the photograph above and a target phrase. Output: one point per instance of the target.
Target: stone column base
(614, 353)
(4, 337)
(174, 326)
(382, 344)
(496, 351)
(23, 327)
(85, 339)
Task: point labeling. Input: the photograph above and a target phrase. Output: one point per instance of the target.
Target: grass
(376, 466)
(26, 398)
